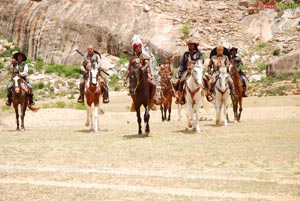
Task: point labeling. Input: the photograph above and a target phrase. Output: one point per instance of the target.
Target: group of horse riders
(141, 60)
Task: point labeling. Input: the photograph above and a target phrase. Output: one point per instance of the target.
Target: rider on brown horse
(92, 57)
(192, 55)
(19, 65)
(237, 59)
(166, 73)
(217, 61)
(145, 64)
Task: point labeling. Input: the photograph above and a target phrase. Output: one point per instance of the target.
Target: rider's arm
(25, 71)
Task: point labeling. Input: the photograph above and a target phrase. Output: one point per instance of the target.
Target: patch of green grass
(115, 83)
(1, 65)
(261, 67)
(296, 173)
(124, 58)
(278, 91)
(64, 70)
(80, 106)
(39, 85)
(58, 104)
(71, 97)
(6, 108)
(267, 81)
(186, 29)
(3, 93)
(39, 65)
(261, 46)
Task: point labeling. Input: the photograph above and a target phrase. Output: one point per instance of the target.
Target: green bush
(30, 71)
(1, 65)
(39, 85)
(114, 83)
(267, 81)
(39, 64)
(186, 30)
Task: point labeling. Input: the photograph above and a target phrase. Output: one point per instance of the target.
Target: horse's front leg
(218, 111)
(17, 117)
(225, 112)
(146, 119)
(169, 108)
(139, 119)
(96, 119)
(189, 113)
(240, 109)
(165, 111)
(23, 110)
(87, 121)
(179, 112)
(196, 117)
(162, 112)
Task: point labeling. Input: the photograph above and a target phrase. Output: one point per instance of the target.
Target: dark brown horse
(238, 85)
(141, 96)
(20, 92)
(167, 92)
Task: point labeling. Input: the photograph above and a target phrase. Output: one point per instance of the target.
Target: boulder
(287, 64)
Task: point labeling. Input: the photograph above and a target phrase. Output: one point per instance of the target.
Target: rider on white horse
(192, 55)
(217, 61)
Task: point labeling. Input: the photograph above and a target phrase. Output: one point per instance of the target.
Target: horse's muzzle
(17, 90)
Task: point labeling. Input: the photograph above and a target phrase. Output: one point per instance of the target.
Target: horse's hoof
(190, 125)
(87, 124)
(196, 130)
(147, 133)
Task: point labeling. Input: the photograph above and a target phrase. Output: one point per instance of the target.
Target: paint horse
(193, 94)
(20, 92)
(92, 96)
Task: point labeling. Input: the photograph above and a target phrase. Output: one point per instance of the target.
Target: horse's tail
(32, 108)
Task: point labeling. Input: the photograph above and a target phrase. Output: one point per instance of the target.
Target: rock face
(289, 63)
(52, 29)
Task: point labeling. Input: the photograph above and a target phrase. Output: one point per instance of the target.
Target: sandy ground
(57, 158)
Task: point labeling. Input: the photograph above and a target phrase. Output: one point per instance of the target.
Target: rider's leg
(9, 94)
(81, 91)
(30, 95)
(153, 100)
(243, 77)
(105, 93)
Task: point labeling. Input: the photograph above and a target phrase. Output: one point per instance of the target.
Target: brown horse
(20, 97)
(167, 92)
(92, 95)
(141, 96)
(238, 85)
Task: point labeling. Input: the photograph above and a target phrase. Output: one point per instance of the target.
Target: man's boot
(9, 97)
(31, 101)
(105, 93)
(81, 91)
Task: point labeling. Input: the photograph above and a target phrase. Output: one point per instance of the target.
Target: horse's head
(197, 72)
(94, 76)
(17, 83)
(222, 82)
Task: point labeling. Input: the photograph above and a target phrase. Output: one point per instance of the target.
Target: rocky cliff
(52, 29)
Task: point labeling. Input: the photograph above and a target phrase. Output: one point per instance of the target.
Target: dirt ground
(57, 158)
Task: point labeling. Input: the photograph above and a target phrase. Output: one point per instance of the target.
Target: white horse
(222, 95)
(92, 96)
(193, 96)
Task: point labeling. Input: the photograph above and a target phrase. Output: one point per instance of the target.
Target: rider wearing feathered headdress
(143, 62)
